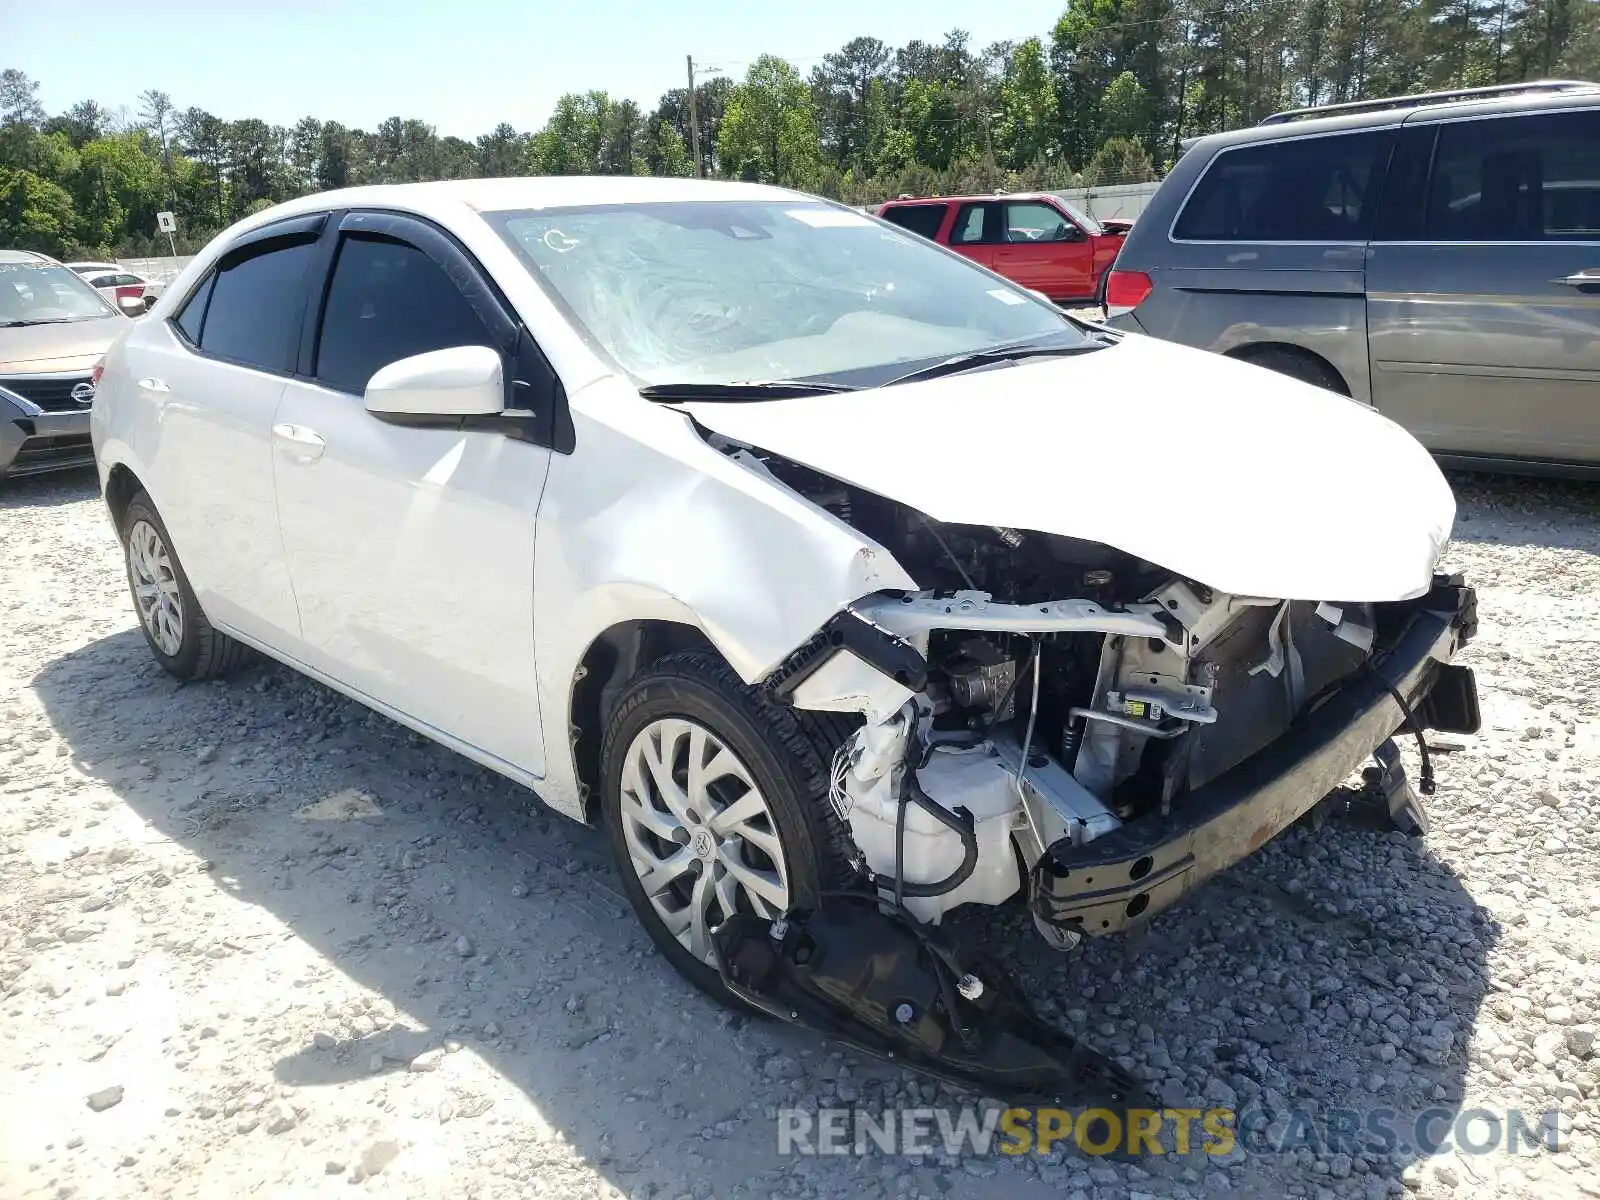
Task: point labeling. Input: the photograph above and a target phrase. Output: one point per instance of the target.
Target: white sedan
(119, 285)
(816, 562)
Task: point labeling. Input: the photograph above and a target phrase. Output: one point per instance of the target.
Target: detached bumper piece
(1132, 873)
(878, 981)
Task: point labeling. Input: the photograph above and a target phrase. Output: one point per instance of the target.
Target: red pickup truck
(1035, 239)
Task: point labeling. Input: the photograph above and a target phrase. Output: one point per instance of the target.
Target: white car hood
(1228, 474)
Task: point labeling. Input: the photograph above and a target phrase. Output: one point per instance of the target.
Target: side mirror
(131, 306)
(463, 381)
(1072, 233)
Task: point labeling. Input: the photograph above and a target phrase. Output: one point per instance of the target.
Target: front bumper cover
(1127, 876)
(36, 442)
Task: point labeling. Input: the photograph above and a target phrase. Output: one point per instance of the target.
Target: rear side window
(387, 301)
(193, 315)
(923, 219)
(1533, 178)
(1321, 189)
(972, 225)
(257, 301)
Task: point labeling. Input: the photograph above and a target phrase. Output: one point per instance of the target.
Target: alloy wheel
(155, 587)
(700, 836)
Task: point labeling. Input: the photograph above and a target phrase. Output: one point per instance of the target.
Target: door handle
(1590, 277)
(308, 443)
(150, 384)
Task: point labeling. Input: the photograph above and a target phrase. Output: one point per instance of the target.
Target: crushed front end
(1060, 721)
(1227, 805)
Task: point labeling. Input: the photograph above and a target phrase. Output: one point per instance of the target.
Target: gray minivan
(1436, 256)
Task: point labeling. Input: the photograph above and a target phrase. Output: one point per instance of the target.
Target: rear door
(210, 380)
(1040, 248)
(975, 232)
(1483, 301)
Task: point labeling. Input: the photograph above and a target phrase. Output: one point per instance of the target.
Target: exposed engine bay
(1114, 674)
(1057, 719)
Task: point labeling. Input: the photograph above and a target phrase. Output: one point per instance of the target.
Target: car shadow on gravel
(1338, 970)
(44, 491)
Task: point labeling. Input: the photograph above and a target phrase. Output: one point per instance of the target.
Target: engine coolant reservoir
(976, 780)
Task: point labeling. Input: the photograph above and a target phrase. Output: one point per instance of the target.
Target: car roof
(1401, 114)
(26, 256)
(448, 200)
(93, 266)
(973, 198)
(541, 191)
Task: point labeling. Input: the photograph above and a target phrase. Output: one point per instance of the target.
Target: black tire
(201, 652)
(787, 753)
(1307, 368)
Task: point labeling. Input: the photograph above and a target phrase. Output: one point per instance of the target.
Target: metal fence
(1124, 200)
(162, 270)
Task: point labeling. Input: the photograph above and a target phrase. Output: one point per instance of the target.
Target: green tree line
(1105, 96)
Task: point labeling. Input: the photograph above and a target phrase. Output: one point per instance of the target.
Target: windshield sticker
(826, 218)
(1006, 297)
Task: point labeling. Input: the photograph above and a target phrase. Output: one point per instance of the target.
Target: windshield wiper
(989, 358)
(755, 389)
(38, 321)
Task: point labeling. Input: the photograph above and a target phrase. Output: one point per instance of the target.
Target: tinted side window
(257, 301)
(1516, 180)
(1320, 189)
(388, 301)
(924, 219)
(194, 312)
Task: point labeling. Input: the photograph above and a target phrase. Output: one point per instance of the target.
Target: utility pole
(694, 122)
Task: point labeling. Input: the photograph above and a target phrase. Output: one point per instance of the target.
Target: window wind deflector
(992, 358)
(759, 389)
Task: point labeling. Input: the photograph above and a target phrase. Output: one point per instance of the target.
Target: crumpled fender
(691, 536)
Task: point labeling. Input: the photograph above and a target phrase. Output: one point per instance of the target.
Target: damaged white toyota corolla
(843, 580)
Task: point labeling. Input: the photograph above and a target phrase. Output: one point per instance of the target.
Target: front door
(411, 549)
(1484, 328)
(1041, 249)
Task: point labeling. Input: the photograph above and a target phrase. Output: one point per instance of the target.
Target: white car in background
(118, 284)
(808, 557)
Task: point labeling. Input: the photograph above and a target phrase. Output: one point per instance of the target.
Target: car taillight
(96, 371)
(1127, 289)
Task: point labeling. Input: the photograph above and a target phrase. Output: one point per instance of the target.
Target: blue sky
(462, 65)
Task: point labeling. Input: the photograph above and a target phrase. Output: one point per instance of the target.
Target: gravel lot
(258, 941)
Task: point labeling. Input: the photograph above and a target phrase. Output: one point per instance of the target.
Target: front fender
(645, 521)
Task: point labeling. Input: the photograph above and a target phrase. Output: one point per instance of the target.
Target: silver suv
(1435, 256)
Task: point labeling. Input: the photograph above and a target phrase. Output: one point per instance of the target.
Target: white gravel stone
(428, 1060)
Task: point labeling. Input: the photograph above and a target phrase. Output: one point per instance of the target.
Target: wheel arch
(615, 656)
(122, 485)
(1252, 352)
